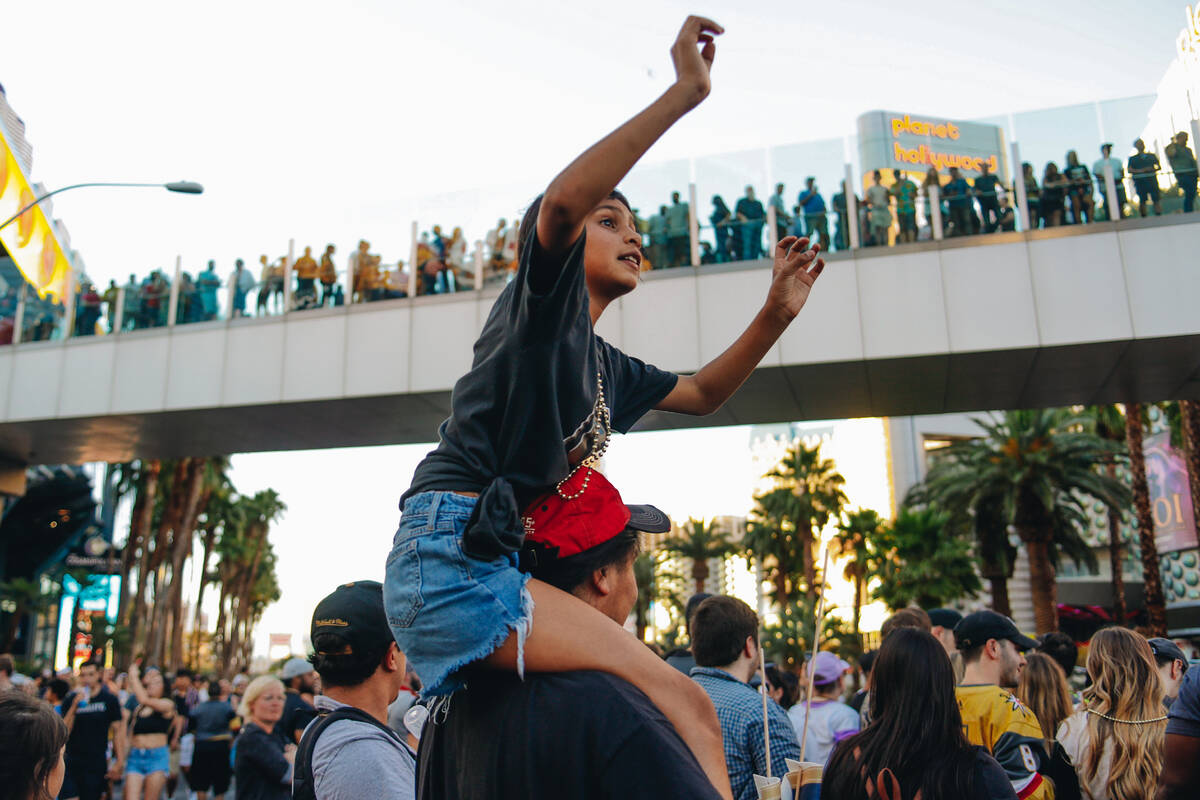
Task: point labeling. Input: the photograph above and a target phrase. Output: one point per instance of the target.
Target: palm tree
(1108, 422)
(245, 591)
(221, 514)
(655, 585)
(855, 538)
(1156, 607)
(1184, 420)
(787, 520)
(921, 559)
(1028, 463)
(699, 542)
(142, 478)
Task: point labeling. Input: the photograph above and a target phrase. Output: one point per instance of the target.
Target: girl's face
(153, 681)
(613, 255)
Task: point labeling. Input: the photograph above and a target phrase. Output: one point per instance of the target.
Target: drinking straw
(762, 666)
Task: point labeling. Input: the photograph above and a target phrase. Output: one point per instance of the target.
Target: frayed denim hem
(522, 627)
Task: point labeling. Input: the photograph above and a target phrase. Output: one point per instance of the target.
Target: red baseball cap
(594, 514)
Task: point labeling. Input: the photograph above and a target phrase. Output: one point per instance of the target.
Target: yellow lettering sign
(916, 127)
(924, 156)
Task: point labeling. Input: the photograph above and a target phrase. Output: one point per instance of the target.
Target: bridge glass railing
(707, 209)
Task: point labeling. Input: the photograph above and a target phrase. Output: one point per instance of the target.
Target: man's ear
(750, 648)
(602, 581)
(394, 660)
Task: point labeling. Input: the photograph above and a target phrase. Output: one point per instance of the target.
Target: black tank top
(154, 722)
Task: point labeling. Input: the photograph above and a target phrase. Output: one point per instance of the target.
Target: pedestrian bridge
(1082, 314)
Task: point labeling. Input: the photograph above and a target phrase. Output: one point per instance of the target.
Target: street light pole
(183, 187)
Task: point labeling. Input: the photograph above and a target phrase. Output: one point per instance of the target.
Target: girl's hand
(795, 271)
(693, 54)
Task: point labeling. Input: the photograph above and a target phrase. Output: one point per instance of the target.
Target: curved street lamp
(183, 187)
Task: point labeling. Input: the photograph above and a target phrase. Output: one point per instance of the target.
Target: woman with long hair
(32, 742)
(1044, 689)
(1115, 739)
(1080, 180)
(915, 744)
(1053, 199)
(722, 222)
(148, 763)
(1033, 194)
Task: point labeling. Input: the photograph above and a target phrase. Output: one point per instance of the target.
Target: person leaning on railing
(1183, 164)
(1144, 167)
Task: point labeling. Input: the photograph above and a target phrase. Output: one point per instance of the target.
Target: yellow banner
(30, 240)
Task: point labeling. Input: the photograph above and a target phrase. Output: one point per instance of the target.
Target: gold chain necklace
(599, 445)
(1125, 721)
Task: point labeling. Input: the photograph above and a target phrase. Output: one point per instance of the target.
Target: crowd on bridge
(887, 215)
(887, 212)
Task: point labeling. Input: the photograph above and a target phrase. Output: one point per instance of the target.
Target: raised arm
(591, 177)
(163, 705)
(796, 269)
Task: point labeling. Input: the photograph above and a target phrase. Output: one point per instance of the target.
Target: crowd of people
(512, 573)
(950, 706)
(888, 210)
(442, 267)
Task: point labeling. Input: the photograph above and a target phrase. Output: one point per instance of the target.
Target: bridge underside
(1105, 372)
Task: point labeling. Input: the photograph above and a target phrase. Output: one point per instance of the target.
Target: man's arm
(784, 744)
(69, 714)
(795, 271)
(120, 748)
(591, 177)
(1181, 768)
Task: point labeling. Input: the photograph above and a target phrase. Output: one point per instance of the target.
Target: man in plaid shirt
(725, 644)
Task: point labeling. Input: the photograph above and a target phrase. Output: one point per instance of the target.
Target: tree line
(178, 505)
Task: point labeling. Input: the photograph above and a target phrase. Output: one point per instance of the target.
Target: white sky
(330, 122)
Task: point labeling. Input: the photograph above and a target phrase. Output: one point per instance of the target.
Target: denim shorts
(446, 609)
(143, 760)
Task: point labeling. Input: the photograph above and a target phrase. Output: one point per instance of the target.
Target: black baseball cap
(945, 617)
(1166, 650)
(354, 614)
(976, 628)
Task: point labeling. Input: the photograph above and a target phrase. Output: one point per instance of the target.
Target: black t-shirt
(750, 209)
(583, 735)
(985, 188)
(532, 397)
(1080, 177)
(297, 713)
(88, 742)
(1143, 161)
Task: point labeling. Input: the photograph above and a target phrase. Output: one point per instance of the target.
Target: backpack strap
(303, 783)
(888, 789)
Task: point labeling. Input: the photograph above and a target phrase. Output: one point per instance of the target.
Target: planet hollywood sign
(896, 140)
